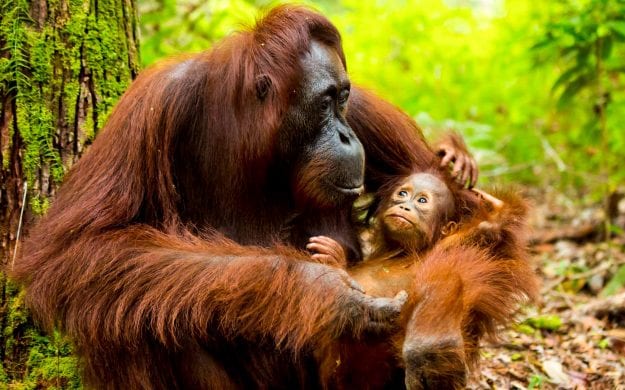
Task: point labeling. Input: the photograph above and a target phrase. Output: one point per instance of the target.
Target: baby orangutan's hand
(490, 231)
(327, 251)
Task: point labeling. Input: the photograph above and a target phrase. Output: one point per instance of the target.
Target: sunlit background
(536, 87)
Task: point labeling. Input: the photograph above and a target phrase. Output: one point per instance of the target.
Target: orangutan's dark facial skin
(327, 157)
(415, 210)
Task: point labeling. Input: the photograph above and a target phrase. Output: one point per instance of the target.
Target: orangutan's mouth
(397, 216)
(350, 191)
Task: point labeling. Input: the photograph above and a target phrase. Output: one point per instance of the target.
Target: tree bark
(63, 64)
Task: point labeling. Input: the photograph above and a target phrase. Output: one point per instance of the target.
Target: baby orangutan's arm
(499, 225)
(327, 251)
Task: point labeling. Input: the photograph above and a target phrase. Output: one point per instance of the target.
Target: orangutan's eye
(403, 193)
(422, 199)
(343, 96)
(325, 104)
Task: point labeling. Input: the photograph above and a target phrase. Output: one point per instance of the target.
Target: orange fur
(119, 262)
(467, 287)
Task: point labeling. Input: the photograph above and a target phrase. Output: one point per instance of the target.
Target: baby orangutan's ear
(450, 228)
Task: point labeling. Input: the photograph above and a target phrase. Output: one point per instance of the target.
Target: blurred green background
(536, 87)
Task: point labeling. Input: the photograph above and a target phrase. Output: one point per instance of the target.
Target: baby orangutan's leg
(327, 251)
(433, 348)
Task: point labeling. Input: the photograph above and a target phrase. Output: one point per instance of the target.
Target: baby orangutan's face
(417, 208)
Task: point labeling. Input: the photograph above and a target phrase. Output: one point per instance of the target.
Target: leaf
(536, 381)
(525, 329)
(543, 44)
(553, 369)
(603, 30)
(516, 357)
(547, 322)
(566, 76)
(604, 343)
(618, 27)
(573, 286)
(615, 284)
(616, 229)
(573, 88)
(569, 40)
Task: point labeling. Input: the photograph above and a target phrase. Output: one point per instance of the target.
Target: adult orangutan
(159, 255)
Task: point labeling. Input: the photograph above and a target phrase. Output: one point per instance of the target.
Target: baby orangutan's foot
(436, 363)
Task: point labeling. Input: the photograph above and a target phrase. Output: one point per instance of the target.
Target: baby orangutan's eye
(422, 199)
(402, 193)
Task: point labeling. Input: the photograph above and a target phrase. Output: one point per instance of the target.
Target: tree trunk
(63, 64)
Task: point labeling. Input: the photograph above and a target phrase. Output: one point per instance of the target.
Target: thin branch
(19, 225)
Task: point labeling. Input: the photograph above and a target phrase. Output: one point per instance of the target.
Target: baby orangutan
(415, 216)
(465, 275)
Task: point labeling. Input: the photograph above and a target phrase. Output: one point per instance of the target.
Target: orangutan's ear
(263, 85)
(450, 228)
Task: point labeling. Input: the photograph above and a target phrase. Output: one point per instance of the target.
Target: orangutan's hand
(452, 149)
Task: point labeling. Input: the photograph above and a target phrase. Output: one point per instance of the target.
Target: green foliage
(616, 283)
(493, 71)
(604, 343)
(28, 69)
(525, 329)
(462, 64)
(586, 40)
(33, 360)
(52, 364)
(583, 36)
(173, 27)
(39, 205)
(546, 322)
(13, 75)
(536, 381)
(436, 59)
(42, 67)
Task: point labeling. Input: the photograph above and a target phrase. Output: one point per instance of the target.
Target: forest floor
(574, 338)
